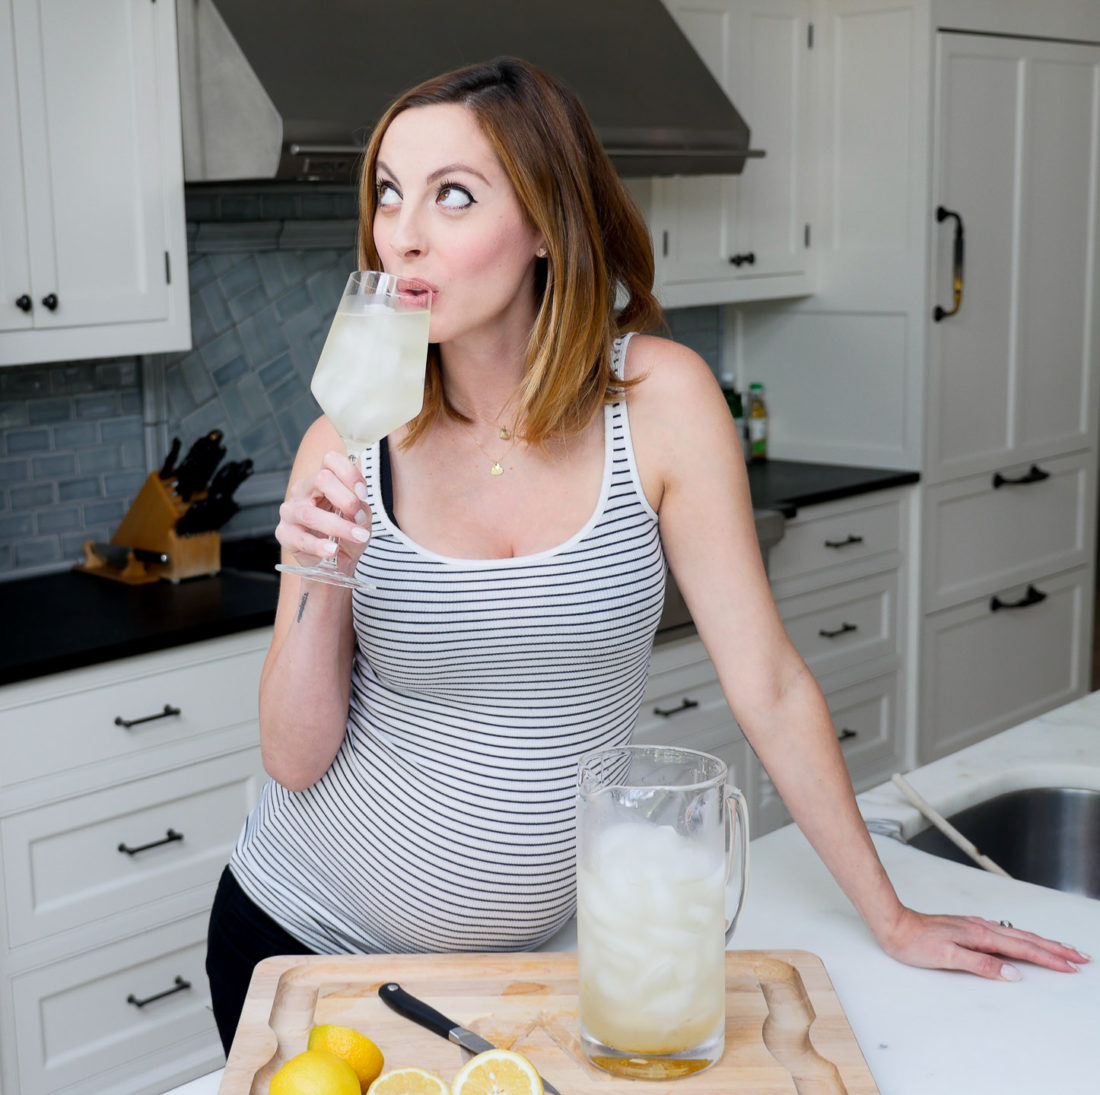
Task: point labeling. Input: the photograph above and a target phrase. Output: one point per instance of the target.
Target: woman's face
(447, 213)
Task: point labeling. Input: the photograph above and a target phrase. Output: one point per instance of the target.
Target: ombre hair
(597, 279)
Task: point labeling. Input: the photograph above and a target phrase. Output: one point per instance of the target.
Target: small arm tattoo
(302, 605)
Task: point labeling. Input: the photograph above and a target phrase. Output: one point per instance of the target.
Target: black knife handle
(416, 1010)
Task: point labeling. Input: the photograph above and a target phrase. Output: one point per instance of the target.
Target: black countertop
(787, 485)
(63, 621)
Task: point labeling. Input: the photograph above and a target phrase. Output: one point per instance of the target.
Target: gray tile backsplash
(78, 438)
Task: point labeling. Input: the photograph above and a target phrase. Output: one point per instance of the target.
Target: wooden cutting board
(786, 1033)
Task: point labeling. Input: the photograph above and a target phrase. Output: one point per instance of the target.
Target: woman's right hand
(330, 502)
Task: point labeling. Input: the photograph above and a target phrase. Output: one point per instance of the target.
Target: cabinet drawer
(70, 720)
(982, 537)
(683, 716)
(844, 625)
(868, 726)
(67, 864)
(76, 1029)
(824, 541)
(984, 670)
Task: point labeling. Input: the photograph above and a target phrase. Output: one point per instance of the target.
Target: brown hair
(598, 247)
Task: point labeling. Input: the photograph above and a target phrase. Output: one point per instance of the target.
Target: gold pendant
(495, 468)
(505, 434)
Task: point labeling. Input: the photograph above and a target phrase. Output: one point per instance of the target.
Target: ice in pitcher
(650, 930)
(370, 377)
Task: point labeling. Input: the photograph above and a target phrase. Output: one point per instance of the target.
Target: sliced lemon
(315, 1072)
(408, 1081)
(355, 1048)
(497, 1072)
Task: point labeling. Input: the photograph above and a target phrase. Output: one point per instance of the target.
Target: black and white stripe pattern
(446, 821)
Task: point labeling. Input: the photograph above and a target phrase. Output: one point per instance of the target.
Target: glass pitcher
(655, 855)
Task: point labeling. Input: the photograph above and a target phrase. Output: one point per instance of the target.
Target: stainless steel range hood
(291, 89)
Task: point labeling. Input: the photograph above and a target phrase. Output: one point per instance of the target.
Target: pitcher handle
(739, 823)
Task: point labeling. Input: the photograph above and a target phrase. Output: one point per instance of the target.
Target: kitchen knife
(419, 1012)
(169, 464)
(118, 556)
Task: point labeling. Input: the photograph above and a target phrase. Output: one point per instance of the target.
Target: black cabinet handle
(1034, 474)
(1033, 596)
(667, 712)
(747, 259)
(844, 543)
(168, 710)
(50, 301)
(847, 735)
(169, 838)
(842, 630)
(23, 303)
(957, 277)
(177, 986)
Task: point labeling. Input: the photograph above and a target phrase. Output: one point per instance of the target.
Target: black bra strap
(385, 478)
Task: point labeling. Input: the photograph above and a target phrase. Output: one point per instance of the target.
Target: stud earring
(541, 252)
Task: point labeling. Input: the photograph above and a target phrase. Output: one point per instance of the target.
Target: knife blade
(411, 1007)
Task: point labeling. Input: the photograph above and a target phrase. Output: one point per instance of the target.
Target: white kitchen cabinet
(128, 786)
(1012, 375)
(1009, 529)
(93, 256)
(996, 661)
(747, 236)
(840, 577)
(838, 562)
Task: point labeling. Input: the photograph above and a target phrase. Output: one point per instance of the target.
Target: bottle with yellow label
(758, 423)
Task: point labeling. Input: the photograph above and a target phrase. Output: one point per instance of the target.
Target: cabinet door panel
(75, 1024)
(1017, 138)
(15, 277)
(92, 142)
(978, 141)
(982, 537)
(67, 863)
(767, 86)
(984, 671)
(1057, 297)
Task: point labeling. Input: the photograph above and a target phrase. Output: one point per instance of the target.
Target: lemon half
(497, 1072)
(408, 1081)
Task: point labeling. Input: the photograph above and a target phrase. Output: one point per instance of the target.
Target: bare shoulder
(675, 385)
(679, 419)
(665, 366)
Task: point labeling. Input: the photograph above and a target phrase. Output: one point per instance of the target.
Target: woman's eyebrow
(451, 168)
(448, 169)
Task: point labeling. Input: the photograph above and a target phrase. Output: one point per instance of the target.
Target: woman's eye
(452, 196)
(387, 195)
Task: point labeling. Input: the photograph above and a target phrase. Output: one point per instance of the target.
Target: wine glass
(370, 377)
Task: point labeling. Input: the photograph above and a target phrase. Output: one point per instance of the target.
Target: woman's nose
(407, 237)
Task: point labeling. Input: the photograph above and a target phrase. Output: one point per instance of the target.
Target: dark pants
(240, 935)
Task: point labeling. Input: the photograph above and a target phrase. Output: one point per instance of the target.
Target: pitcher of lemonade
(658, 832)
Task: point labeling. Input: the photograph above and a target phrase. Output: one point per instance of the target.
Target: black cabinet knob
(50, 301)
(747, 259)
(23, 303)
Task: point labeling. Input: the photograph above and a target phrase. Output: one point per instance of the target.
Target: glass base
(653, 1066)
(329, 575)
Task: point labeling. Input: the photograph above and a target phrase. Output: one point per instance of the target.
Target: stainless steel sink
(1046, 835)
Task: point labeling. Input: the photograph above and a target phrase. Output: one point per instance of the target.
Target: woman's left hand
(974, 945)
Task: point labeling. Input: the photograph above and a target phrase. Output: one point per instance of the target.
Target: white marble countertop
(931, 1032)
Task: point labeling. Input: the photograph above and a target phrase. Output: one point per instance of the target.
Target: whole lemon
(315, 1072)
(351, 1046)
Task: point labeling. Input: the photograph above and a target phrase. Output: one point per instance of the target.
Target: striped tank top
(446, 820)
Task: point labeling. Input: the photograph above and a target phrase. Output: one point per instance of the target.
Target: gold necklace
(495, 465)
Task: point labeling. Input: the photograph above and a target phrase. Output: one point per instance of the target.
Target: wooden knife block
(151, 524)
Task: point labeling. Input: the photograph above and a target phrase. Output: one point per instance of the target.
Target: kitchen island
(933, 1032)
